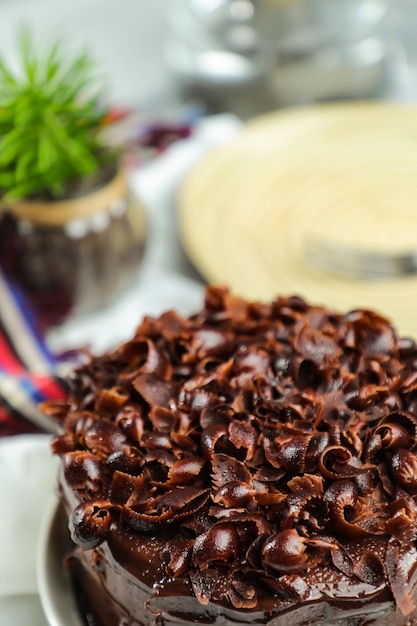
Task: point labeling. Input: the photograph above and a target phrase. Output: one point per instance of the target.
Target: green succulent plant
(51, 120)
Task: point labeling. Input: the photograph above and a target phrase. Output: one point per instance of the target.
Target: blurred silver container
(253, 55)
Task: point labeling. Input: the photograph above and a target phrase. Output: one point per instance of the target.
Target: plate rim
(58, 596)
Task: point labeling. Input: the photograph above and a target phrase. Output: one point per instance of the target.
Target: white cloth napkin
(27, 468)
(28, 482)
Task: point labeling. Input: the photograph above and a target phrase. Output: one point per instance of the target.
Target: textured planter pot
(73, 255)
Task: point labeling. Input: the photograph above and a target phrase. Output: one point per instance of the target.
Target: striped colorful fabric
(27, 369)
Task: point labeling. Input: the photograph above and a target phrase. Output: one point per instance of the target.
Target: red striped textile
(27, 369)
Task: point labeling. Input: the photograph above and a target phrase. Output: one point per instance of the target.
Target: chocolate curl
(156, 463)
(155, 441)
(169, 325)
(110, 401)
(103, 438)
(219, 414)
(338, 462)
(404, 469)
(397, 430)
(288, 451)
(287, 587)
(306, 483)
(63, 443)
(209, 438)
(163, 420)
(146, 358)
(57, 409)
(317, 347)
(250, 363)
(409, 384)
(243, 435)
(90, 523)
(402, 515)
(372, 332)
(173, 506)
(203, 342)
(80, 423)
(235, 494)
(285, 552)
(304, 510)
(154, 390)
(131, 422)
(83, 472)
(342, 495)
(218, 545)
(342, 560)
(128, 460)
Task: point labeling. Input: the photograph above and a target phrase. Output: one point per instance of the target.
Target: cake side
(261, 456)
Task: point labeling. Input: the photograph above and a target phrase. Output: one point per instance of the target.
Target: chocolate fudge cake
(253, 463)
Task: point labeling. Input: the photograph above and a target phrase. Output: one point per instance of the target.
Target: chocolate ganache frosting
(253, 463)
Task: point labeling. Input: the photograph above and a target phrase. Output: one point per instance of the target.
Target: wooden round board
(344, 174)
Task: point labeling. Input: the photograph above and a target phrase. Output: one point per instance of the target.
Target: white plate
(54, 582)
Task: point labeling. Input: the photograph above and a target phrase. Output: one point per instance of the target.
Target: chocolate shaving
(210, 436)
(226, 469)
(370, 569)
(179, 558)
(306, 483)
(185, 469)
(63, 443)
(111, 401)
(342, 560)
(103, 438)
(241, 594)
(338, 462)
(394, 431)
(203, 584)
(154, 390)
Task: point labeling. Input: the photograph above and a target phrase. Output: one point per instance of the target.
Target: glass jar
(66, 257)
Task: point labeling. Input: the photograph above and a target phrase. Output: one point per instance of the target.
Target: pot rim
(59, 212)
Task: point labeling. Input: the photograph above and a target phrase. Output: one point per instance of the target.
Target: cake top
(256, 441)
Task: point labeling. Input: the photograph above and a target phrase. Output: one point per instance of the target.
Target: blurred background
(239, 55)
